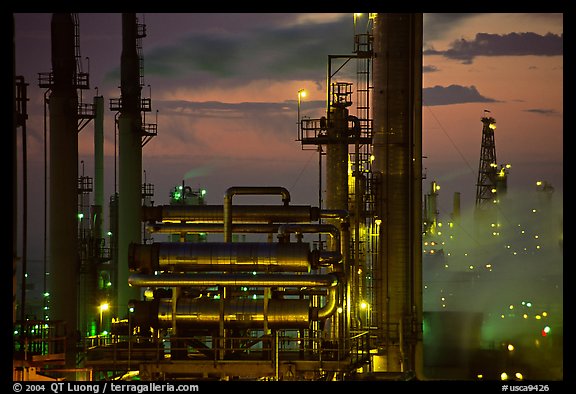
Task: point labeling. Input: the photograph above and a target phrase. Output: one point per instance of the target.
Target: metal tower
(487, 170)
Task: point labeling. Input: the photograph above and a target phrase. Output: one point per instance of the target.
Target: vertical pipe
(97, 211)
(416, 302)
(130, 158)
(337, 199)
(98, 162)
(23, 97)
(63, 107)
(14, 177)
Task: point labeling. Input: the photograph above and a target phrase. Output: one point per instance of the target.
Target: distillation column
(337, 187)
(63, 105)
(130, 158)
(397, 105)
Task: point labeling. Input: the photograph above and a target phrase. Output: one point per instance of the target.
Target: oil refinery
(371, 282)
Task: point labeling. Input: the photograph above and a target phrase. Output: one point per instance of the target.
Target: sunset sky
(225, 90)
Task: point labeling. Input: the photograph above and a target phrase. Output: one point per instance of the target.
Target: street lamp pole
(301, 93)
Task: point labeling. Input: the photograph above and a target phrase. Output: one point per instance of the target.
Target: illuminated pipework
(240, 213)
(205, 312)
(222, 256)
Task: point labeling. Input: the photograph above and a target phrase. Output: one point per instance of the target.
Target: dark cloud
(435, 25)
(512, 44)
(261, 52)
(429, 69)
(542, 111)
(220, 109)
(453, 94)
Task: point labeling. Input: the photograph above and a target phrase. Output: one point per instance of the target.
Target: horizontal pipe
(221, 256)
(240, 214)
(236, 313)
(205, 312)
(217, 279)
(179, 228)
(258, 190)
(335, 214)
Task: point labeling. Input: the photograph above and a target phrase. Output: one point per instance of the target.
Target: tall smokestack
(130, 158)
(63, 233)
(397, 148)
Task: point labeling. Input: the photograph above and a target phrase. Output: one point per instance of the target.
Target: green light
(203, 192)
(80, 216)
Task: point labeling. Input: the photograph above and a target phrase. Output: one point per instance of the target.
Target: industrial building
(332, 290)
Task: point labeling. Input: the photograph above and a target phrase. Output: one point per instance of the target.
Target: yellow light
(519, 376)
(510, 347)
(492, 126)
(302, 93)
(363, 305)
(503, 376)
(378, 222)
(104, 306)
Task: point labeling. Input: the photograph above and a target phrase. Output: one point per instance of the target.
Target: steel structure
(285, 308)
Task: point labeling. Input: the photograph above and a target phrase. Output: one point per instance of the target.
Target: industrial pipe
(330, 229)
(236, 313)
(240, 214)
(247, 190)
(205, 312)
(217, 279)
(178, 228)
(221, 256)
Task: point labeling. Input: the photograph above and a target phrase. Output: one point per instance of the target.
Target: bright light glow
(503, 376)
(104, 307)
(510, 347)
(363, 305)
(519, 376)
